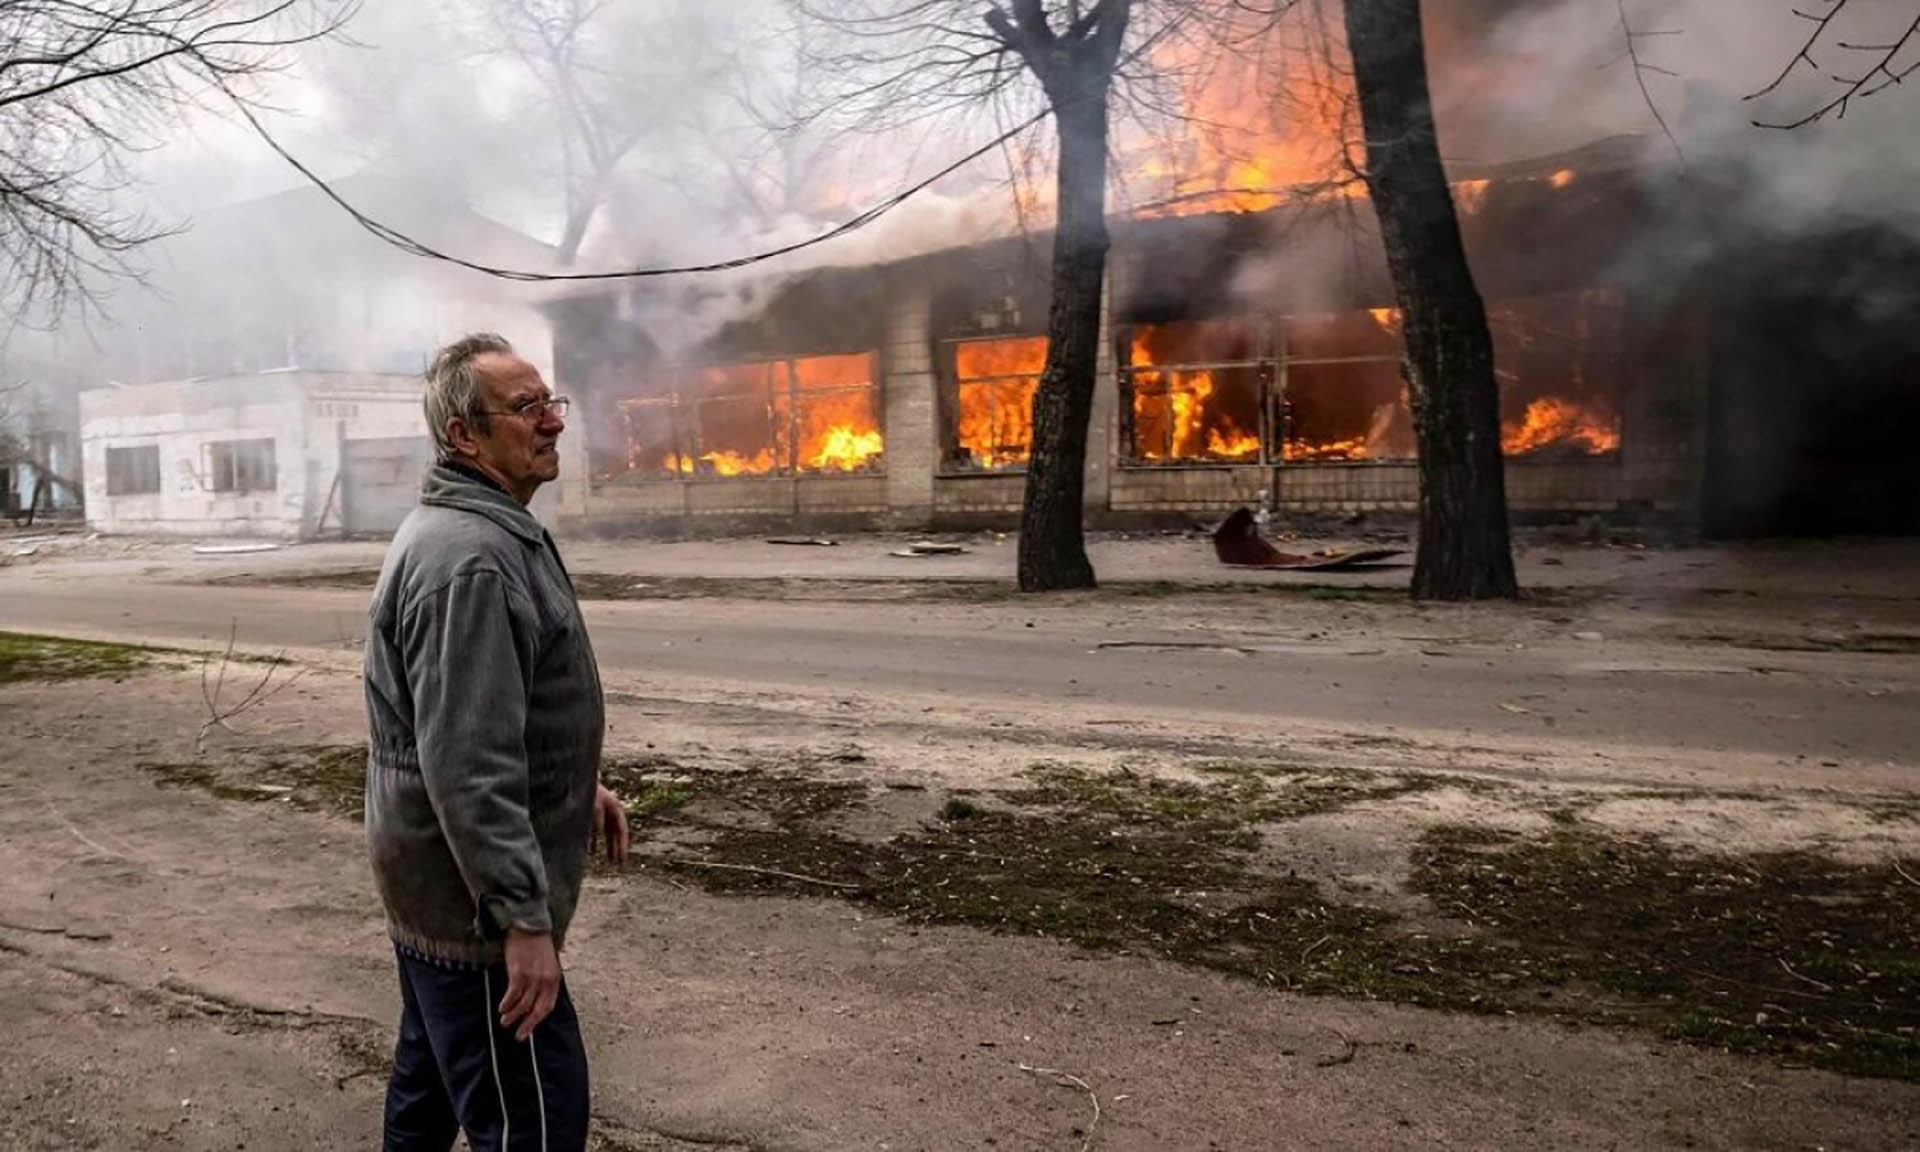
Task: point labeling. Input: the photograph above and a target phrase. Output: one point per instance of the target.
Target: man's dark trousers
(455, 1068)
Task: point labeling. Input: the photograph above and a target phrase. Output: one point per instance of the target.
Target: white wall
(305, 414)
(357, 407)
(182, 420)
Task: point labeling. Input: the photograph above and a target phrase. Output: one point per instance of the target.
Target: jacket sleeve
(468, 666)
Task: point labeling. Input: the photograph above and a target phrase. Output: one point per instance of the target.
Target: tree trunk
(1053, 550)
(1464, 551)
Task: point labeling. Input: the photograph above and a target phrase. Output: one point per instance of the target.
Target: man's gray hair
(454, 390)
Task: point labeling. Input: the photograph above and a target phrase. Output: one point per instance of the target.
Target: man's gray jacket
(486, 718)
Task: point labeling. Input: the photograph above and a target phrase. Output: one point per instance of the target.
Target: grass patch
(1792, 955)
(1789, 953)
(315, 778)
(1363, 594)
(961, 808)
(27, 658)
(1573, 925)
(660, 790)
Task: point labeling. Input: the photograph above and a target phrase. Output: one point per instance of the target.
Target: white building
(287, 454)
(38, 472)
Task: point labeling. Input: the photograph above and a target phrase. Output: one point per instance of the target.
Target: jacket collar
(446, 486)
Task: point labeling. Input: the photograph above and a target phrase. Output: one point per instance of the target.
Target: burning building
(1249, 356)
(901, 393)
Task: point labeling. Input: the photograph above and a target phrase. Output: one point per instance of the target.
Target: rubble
(1238, 544)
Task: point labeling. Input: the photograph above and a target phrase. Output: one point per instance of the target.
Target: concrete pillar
(910, 401)
(1103, 427)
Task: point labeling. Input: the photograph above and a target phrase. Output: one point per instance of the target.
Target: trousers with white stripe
(455, 1069)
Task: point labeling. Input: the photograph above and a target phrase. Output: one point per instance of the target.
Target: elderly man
(483, 793)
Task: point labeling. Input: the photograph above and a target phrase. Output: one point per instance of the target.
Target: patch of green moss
(318, 778)
(1790, 953)
(961, 808)
(26, 658)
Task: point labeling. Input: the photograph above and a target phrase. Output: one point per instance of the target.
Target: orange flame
(812, 414)
(724, 463)
(1471, 195)
(1270, 121)
(846, 449)
(1183, 401)
(1552, 421)
(838, 420)
(993, 426)
(1256, 125)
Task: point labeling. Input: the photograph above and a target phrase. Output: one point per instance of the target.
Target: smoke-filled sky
(434, 94)
(445, 101)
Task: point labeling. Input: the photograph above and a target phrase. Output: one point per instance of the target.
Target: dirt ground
(191, 956)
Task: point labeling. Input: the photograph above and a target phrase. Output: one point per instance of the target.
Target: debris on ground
(929, 548)
(804, 541)
(1238, 544)
(233, 549)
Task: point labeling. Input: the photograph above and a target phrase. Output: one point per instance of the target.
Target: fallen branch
(689, 863)
(1788, 969)
(1069, 1080)
(1773, 990)
(85, 839)
(265, 690)
(1904, 874)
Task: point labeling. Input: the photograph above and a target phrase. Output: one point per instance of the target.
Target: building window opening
(241, 466)
(1556, 361)
(133, 471)
(652, 440)
(836, 414)
(732, 416)
(810, 415)
(1191, 392)
(1344, 398)
(990, 404)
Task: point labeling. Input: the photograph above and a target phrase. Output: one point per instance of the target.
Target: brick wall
(1187, 489)
(973, 496)
(909, 398)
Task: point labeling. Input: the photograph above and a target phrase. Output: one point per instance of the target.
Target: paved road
(1854, 709)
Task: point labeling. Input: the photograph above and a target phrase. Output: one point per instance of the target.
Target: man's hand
(610, 822)
(533, 981)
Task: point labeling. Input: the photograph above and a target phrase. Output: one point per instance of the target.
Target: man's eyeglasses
(535, 409)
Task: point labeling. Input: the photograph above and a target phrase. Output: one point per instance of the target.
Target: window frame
(1264, 362)
(139, 455)
(783, 402)
(946, 463)
(230, 465)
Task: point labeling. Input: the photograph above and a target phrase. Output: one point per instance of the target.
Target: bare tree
(1075, 69)
(83, 84)
(1464, 551)
(593, 101)
(614, 78)
(902, 63)
(1869, 67)
(13, 443)
(22, 449)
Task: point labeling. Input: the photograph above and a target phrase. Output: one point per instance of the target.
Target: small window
(1191, 392)
(133, 471)
(811, 414)
(1345, 398)
(990, 404)
(241, 466)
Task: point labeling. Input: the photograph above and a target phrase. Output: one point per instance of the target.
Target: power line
(406, 243)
